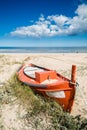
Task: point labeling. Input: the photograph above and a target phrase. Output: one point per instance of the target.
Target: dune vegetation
(34, 112)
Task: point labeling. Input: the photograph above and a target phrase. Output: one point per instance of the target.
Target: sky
(43, 23)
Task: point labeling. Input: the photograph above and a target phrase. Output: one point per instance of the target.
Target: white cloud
(82, 10)
(34, 30)
(41, 18)
(78, 24)
(56, 25)
(58, 19)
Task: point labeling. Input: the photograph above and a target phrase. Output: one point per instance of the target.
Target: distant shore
(43, 49)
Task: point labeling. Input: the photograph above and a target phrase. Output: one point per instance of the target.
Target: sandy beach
(62, 63)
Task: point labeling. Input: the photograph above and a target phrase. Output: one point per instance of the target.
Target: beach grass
(23, 109)
(44, 114)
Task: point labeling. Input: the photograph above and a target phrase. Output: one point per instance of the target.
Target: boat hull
(48, 83)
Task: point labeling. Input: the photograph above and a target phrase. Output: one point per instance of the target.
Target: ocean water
(43, 49)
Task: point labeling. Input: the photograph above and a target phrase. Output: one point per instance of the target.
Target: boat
(50, 84)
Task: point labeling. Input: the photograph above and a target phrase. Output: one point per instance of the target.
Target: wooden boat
(49, 83)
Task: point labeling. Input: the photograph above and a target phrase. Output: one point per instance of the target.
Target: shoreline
(41, 53)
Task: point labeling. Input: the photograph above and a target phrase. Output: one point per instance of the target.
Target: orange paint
(60, 89)
(41, 76)
(73, 74)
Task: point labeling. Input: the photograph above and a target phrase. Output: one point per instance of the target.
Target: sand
(62, 63)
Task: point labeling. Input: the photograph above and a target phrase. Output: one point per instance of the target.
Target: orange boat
(49, 83)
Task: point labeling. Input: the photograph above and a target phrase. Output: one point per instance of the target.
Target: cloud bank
(56, 25)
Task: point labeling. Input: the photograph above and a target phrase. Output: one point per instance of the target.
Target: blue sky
(43, 23)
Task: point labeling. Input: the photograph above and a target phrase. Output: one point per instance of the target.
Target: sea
(43, 49)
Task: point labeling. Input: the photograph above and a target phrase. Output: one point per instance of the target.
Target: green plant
(42, 113)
